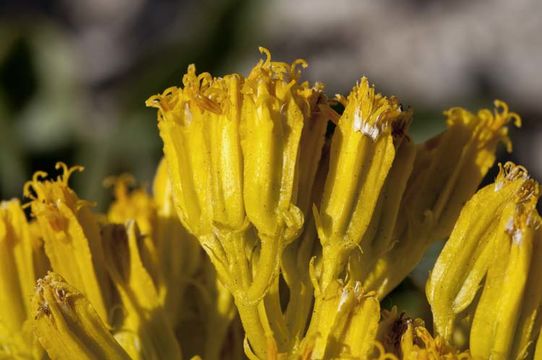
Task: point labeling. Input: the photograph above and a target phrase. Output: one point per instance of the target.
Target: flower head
(227, 243)
(485, 266)
(19, 251)
(67, 325)
(71, 235)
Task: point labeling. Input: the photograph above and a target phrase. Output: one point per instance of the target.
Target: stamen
(510, 172)
(373, 114)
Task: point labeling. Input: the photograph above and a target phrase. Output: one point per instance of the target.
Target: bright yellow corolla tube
(449, 167)
(139, 206)
(363, 150)
(446, 172)
(199, 126)
(71, 236)
(178, 250)
(16, 266)
(480, 280)
(275, 109)
(145, 332)
(67, 325)
(232, 147)
(17, 276)
(366, 154)
(279, 113)
(348, 324)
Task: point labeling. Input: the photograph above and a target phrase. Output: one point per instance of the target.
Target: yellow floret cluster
(278, 220)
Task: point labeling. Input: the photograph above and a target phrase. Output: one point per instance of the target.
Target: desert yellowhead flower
(246, 161)
(363, 150)
(17, 266)
(446, 172)
(232, 146)
(171, 254)
(145, 332)
(384, 200)
(348, 324)
(180, 262)
(67, 325)
(487, 276)
(174, 256)
(138, 205)
(178, 251)
(71, 234)
(19, 253)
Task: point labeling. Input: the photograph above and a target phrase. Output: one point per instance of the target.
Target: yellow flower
(18, 245)
(71, 235)
(17, 266)
(348, 323)
(67, 325)
(445, 174)
(363, 150)
(178, 251)
(138, 206)
(232, 146)
(145, 332)
(484, 272)
(260, 223)
(246, 159)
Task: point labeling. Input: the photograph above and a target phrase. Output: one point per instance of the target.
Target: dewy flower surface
(275, 227)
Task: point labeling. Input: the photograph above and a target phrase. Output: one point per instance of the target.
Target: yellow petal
(71, 235)
(530, 318)
(469, 143)
(178, 250)
(348, 323)
(67, 325)
(136, 204)
(362, 152)
(144, 314)
(490, 247)
(16, 266)
(505, 285)
(447, 171)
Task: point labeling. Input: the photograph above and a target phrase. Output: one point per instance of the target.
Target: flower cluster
(276, 224)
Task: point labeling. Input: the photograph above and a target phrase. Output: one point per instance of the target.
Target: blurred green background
(74, 74)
